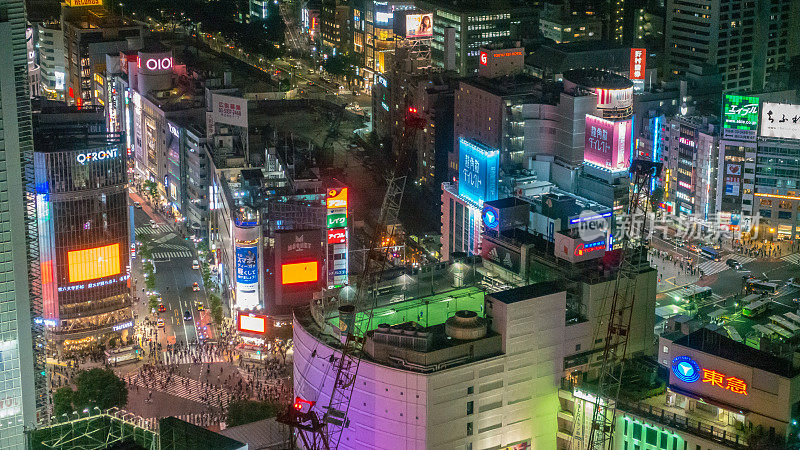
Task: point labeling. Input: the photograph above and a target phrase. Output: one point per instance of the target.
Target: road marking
(167, 256)
(173, 246)
(794, 258)
(712, 267)
(147, 229)
(165, 238)
(742, 259)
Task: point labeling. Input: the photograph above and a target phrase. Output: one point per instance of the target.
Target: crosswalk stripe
(173, 247)
(146, 230)
(171, 255)
(177, 388)
(165, 238)
(794, 258)
(712, 267)
(743, 259)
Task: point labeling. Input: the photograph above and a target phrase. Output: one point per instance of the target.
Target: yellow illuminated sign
(84, 2)
(785, 197)
(98, 262)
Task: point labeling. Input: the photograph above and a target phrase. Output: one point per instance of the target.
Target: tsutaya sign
(688, 370)
(83, 158)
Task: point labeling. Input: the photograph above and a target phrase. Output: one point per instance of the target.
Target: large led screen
(478, 171)
(253, 323)
(302, 272)
(92, 263)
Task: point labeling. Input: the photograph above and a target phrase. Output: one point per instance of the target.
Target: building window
(470, 408)
(469, 428)
(470, 390)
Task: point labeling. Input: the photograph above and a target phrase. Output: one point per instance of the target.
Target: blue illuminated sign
(477, 171)
(247, 265)
(490, 218)
(686, 369)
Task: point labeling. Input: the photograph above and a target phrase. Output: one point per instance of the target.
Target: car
(161, 308)
(153, 224)
(137, 205)
(694, 248)
(195, 264)
(734, 264)
(187, 316)
(195, 286)
(160, 323)
(200, 306)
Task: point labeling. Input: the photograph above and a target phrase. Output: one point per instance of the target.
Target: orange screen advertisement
(299, 272)
(93, 263)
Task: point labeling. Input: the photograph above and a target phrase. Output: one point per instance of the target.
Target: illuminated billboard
(92, 263)
(253, 323)
(337, 220)
(739, 116)
(337, 198)
(75, 3)
(607, 144)
(337, 236)
(638, 61)
(419, 25)
(614, 98)
(301, 272)
(247, 265)
(477, 171)
(781, 120)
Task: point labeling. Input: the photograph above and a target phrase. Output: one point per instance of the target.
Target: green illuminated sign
(337, 220)
(739, 112)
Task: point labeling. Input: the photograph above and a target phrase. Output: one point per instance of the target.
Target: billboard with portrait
(606, 143)
(780, 120)
(247, 265)
(477, 171)
(419, 25)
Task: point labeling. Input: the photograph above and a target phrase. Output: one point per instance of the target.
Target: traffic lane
(730, 282)
(144, 214)
(173, 283)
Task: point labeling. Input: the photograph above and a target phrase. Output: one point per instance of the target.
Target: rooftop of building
(530, 88)
(530, 291)
(597, 79)
(714, 343)
(507, 202)
(88, 18)
(475, 6)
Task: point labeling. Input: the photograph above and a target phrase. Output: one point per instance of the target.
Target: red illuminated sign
(303, 272)
(484, 58)
(337, 236)
(253, 323)
(583, 248)
(337, 198)
(733, 384)
(638, 60)
(506, 54)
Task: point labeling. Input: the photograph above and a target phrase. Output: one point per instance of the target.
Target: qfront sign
(100, 155)
(688, 370)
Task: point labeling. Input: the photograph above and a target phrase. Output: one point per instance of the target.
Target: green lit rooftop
(427, 311)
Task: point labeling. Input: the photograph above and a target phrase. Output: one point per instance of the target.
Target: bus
(756, 308)
(123, 355)
(753, 286)
(710, 253)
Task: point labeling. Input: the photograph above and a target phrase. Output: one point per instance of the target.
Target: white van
(195, 264)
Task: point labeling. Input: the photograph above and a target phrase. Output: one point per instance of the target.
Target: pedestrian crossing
(147, 230)
(166, 256)
(794, 258)
(182, 387)
(712, 267)
(173, 246)
(168, 358)
(165, 238)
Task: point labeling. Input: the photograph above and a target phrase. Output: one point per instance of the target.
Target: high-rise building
(19, 381)
(83, 223)
(748, 40)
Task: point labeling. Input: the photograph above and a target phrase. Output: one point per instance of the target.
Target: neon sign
(583, 248)
(484, 58)
(490, 218)
(337, 199)
(687, 370)
(158, 63)
(686, 141)
(122, 326)
(337, 236)
(82, 158)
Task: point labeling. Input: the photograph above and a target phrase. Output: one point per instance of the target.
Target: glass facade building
(84, 237)
(21, 381)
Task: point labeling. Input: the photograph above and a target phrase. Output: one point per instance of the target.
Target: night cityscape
(400, 224)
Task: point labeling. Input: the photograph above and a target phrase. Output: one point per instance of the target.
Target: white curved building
(421, 388)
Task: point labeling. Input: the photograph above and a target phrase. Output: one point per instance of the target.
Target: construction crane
(632, 235)
(324, 432)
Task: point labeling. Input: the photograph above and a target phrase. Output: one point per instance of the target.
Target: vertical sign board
(607, 143)
(337, 263)
(637, 66)
(733, 178)
(247, 275)
(739, 117)
(477, 171)
(780, 120)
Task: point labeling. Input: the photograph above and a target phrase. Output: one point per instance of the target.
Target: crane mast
(325, 431)
(632, 235)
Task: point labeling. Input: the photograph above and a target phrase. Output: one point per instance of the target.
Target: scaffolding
(95, 430)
